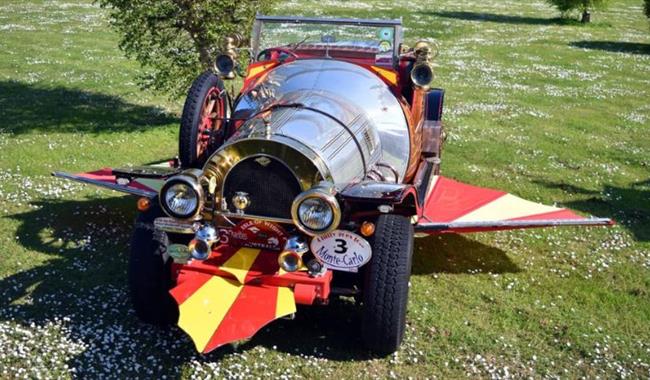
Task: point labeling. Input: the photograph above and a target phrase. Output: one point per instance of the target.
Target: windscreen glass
(377, 40)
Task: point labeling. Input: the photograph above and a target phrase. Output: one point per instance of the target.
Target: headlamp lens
(315, 213)
(181, 200)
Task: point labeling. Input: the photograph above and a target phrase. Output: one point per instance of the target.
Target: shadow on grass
(450, 253)
(26, 108)
(501, 18)
(628, 206)
(83, 247)
(614, 46)
(332, 332)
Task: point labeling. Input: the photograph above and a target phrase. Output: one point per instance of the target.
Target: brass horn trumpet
(422, 71)
(226, 62)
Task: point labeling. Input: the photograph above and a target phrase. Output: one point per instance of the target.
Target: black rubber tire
(149, 272)
(386, 284)
(191, 119)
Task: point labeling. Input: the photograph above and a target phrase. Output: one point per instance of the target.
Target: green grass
(549, 109)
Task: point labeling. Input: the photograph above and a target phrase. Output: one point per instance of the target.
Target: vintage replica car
(311, 183)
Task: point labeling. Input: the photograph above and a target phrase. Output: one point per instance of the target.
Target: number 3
(341, 246)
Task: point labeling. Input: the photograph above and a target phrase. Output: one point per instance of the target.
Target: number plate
(341, 250)
(174, 226)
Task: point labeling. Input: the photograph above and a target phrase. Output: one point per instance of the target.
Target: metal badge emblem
(264, 161)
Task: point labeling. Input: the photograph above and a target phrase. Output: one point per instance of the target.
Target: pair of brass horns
(225, 63)
(422, 71)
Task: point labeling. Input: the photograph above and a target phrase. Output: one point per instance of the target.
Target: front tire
(386, 284)
(150, 271)
(203, 123)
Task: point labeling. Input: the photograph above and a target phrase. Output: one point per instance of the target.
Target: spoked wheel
(203, 123)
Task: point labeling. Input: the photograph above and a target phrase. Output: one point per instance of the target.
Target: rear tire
(386, 284)
(203, 123)
(150, 271)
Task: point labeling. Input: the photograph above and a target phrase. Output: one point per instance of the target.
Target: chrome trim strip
(254, 217)
(398, 37)
(110, 186)
(433, 227)
(172, 225)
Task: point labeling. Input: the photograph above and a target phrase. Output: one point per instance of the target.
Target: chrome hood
(349, 95)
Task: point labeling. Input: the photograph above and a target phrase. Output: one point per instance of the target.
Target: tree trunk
(204, 55)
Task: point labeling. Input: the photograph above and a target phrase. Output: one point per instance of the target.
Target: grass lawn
(548, 109)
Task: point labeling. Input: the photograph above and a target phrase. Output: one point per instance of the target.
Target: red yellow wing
(452, 206)
(215, 310)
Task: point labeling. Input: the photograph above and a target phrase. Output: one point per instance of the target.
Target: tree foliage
(174, 40)
(567, 6)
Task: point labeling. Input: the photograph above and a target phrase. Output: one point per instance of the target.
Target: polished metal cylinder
(338, 111)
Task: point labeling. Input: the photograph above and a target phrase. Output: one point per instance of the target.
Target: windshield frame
(396, 24)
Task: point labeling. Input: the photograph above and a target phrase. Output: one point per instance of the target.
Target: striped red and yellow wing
(452, 206)
(216, 310)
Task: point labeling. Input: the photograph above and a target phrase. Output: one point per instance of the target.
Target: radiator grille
(270, 185)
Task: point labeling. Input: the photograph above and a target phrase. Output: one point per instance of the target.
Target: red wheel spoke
(210, 114)
(209, 107)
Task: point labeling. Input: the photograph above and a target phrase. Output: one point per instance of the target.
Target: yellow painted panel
(506, 207)
(240, 263)
(389, 75)
(201, 314)
(252, 71)
(286, 304)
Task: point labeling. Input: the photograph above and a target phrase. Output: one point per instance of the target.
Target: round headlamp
(181, 196)
(316, 211)
(315, 214)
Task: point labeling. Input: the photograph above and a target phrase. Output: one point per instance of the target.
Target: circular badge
(385, 34)
(341, 250)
